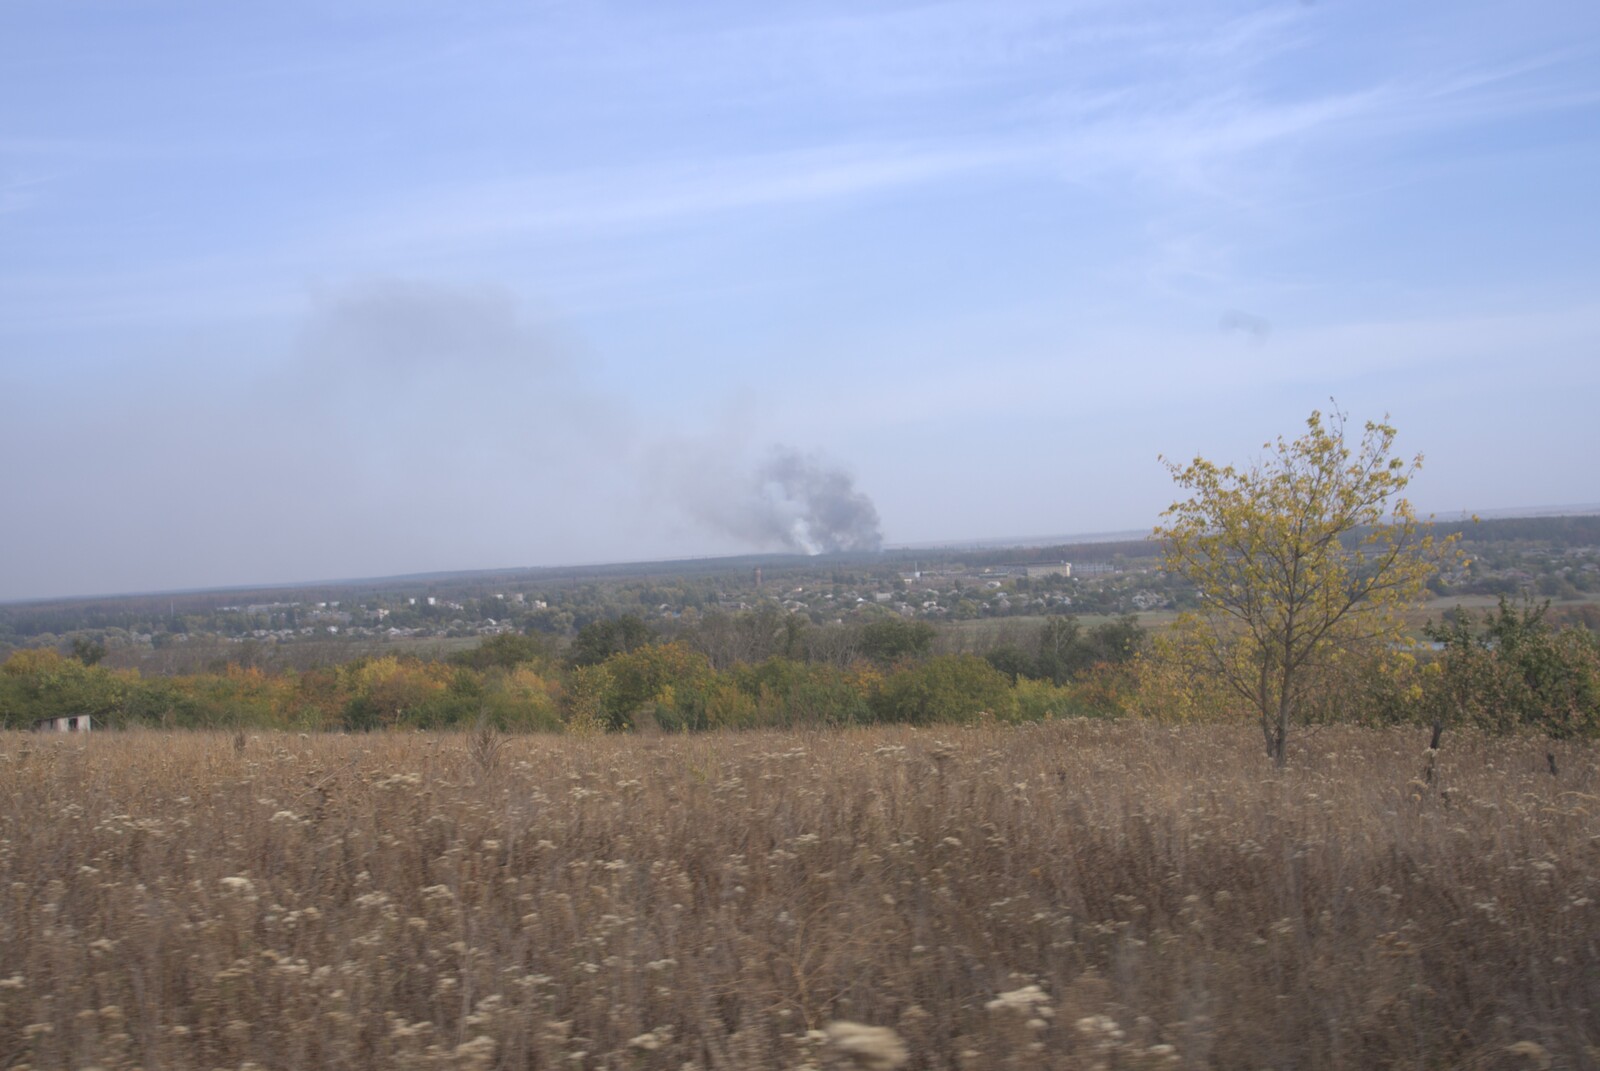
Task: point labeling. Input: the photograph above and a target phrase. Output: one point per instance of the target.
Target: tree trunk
(1280, 740)
(1276, 732)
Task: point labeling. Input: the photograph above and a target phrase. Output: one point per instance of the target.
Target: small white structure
(75, 723)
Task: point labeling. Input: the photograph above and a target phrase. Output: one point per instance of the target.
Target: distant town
(1556, 558)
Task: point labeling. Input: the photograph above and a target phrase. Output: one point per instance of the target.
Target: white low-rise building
(71, 723)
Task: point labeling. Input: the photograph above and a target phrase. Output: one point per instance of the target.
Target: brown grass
(1070, 895)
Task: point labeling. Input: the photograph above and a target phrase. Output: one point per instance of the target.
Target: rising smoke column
(814, 508)
(789, 501)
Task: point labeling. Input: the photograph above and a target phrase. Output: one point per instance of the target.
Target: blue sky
(305, 290)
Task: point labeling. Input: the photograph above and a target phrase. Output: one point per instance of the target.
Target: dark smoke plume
(791, 501)
(812, 508)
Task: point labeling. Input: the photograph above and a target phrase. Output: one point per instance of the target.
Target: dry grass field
(1066, 895)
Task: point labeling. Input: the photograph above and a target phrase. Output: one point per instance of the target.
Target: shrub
(1039, 700)
(38, 684)
(893, 639)
(1516, 672)
(949, 688)
(790, 693)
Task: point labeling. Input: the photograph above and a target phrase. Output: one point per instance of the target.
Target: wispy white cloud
(18, 194)
(1204, 367)
(1201, 127)
(635, 196)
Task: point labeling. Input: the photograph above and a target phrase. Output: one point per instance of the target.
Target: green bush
(1516, 672)
(948, 688)
(788, 693)
(1037, 700)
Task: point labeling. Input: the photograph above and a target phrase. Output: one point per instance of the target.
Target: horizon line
(986, 543)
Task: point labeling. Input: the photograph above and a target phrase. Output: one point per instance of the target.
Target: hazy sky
(302, 290)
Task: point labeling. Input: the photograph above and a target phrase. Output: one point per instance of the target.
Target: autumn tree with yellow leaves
(1303, 559)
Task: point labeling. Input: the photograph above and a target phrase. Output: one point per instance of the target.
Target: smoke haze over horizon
(298, 291)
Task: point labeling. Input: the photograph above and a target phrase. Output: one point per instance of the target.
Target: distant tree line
(730, 670)
(1508, 670)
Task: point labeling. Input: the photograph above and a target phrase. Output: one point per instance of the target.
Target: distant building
(1043, 569)
(74, 723)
